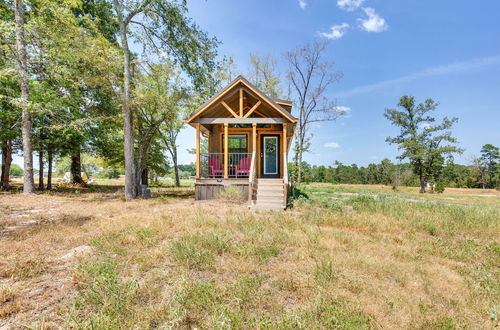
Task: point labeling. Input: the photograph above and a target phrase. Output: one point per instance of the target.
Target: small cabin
(242, 140)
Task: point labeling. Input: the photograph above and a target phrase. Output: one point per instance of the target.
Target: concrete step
(270, 187)
(268, 206)
(270, 181)
(270, 200)
(270, 193)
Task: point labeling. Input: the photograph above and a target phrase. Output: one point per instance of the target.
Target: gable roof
(250, 86)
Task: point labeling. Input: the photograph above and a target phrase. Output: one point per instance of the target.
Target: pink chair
(244, 167)
(215, 167)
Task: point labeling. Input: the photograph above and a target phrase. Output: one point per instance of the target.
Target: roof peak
(232, 84)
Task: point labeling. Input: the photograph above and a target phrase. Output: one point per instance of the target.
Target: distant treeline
(386, 172)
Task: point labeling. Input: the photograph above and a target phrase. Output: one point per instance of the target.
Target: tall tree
(29, 184)
(422, 141)
(160, 96)
(70, 85)
(264, 74)
(311, 78)
(9, 111)
(159, 25)
(490, 157)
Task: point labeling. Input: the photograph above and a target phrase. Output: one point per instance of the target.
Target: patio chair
(244, 167)
(215, 167)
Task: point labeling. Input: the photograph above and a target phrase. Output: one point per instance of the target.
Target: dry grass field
(347, 257)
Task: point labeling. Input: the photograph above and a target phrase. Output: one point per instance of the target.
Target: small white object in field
(77, 252)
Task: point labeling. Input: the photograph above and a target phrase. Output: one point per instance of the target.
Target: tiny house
(248, 136)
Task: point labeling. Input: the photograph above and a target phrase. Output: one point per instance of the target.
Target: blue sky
(448, 50)
(445, 50)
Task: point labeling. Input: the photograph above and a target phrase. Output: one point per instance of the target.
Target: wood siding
(206, 191)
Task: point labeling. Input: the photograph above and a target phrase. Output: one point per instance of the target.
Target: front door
(270, 155)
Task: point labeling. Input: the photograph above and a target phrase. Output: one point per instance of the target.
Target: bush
(15, 170)
(110, 173)
(439, 187)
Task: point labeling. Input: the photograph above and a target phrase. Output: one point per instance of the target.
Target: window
(236, 142)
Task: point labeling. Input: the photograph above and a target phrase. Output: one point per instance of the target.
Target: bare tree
(29, 184)
(310, 78)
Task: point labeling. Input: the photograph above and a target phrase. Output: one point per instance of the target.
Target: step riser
(270, 200)
(267, 208)
(267, 194)
(270, 188)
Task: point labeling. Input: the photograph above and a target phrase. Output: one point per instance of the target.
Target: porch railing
(212, 165)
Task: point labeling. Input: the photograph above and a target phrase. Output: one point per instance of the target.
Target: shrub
(15, 170)
(110, 173)
(439, 187)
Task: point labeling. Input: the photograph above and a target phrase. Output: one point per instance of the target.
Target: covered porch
(256, 147)
(241, 136)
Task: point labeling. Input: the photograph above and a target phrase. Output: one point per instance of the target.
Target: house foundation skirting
(210, 188)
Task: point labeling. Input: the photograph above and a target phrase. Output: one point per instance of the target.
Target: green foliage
(422, 141)
(490, 159)
(15, 170)
(111, 173)
(439, 188)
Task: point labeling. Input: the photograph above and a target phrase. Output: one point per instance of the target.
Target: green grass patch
(196, 251)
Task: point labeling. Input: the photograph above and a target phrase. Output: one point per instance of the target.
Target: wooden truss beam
(252, 109)
(229, 109)
(241, 102)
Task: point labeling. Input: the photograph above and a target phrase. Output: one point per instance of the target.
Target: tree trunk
(49, 169)
(144, 177)
(176, 166)
(299, 165)
(6, 162)
(422, 185)
(29, 184)
(40, 170)
(130, 179)
(76, 167)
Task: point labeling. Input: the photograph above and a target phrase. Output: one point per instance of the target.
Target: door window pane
(270, 155)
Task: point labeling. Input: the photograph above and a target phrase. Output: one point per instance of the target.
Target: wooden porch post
(285, 145)
(198, 151)
(254, 146)
(241, 102)
(226, 152)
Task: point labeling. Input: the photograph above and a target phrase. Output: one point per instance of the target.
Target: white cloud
(455, 67)
(334, 145)
(373, 23)
(342, 108)
(336, 31)
(425, 125)
(349, 5)
(302, 4)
